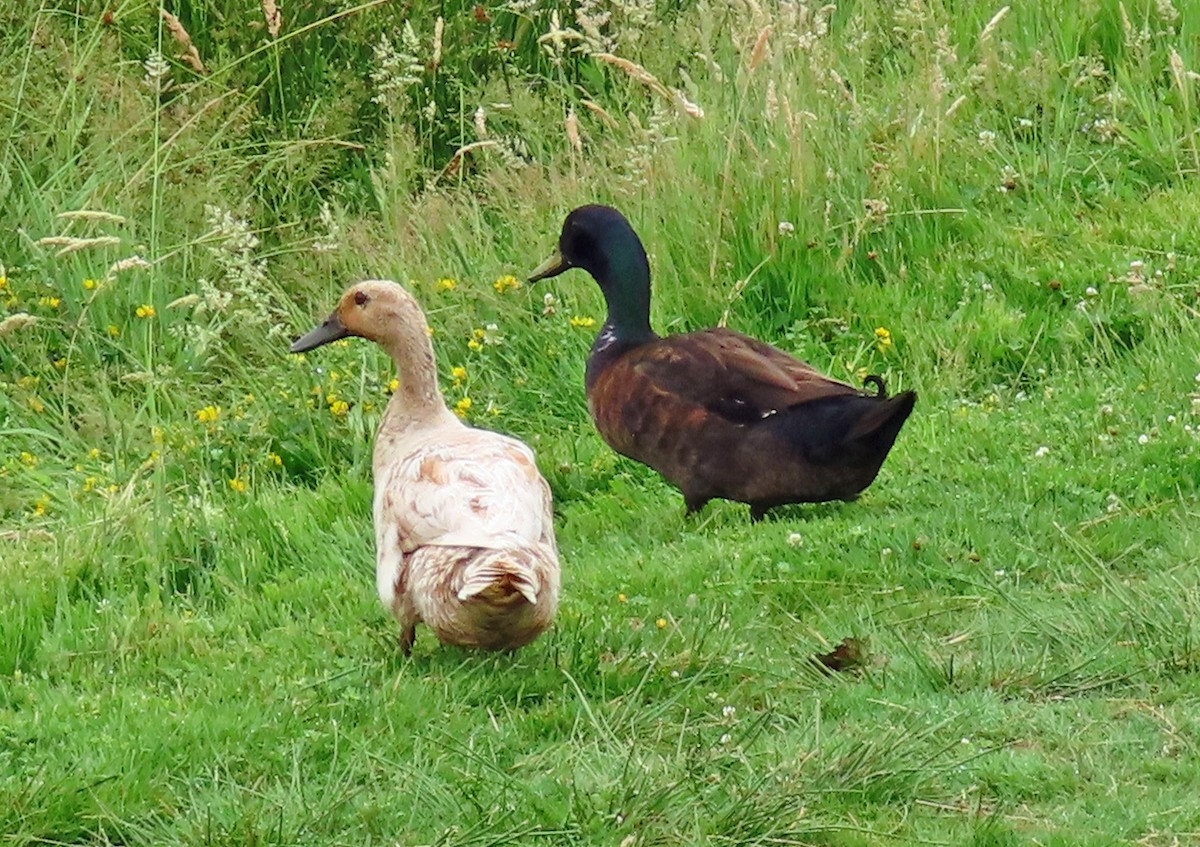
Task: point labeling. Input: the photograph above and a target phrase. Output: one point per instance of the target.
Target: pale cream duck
(464, 538)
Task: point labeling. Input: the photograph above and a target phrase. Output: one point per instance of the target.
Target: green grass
(191, 650)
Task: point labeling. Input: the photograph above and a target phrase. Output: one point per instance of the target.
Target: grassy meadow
(997, 206)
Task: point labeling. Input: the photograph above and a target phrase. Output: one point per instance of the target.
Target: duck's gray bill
(330, 330)
(553, 266)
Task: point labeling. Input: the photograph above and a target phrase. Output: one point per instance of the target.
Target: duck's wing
(473, 488)
(726, 373)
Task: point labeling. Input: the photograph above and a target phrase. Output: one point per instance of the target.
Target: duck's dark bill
(551, 267)
(331, 330)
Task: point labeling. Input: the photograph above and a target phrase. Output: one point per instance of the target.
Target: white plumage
(464, 529)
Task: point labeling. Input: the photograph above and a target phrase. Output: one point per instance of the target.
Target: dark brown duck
(716, 412)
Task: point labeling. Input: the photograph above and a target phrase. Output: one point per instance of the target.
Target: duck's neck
(625, 281)
(418, 400)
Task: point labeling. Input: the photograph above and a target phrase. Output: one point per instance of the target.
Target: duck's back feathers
(725, 373)
(458, 486)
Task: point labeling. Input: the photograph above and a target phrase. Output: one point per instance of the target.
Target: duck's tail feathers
(499, 574)
(885, 418)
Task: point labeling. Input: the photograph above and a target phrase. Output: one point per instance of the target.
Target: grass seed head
(16, 322)
(991, 25)
(273, 16)
(572, 127)
(762, 46)
(190, 54)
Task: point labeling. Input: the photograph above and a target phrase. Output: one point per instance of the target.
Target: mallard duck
(719, 414)
(464, 538)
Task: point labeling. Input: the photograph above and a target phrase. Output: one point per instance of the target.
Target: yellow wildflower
(661, 623)
(621, 598)
(61, 364)
(579, 323)
(90, 284)
(508, 282)
(209, 414)
(883, 339)
(238, 485)
(28, 458)
(50, 302)
(3, 282)
(114, 488)
(275, 459)
(94, 453)
(459, 373)
(89, 484)
(462, 407)
(37, 405)
(474, 345)
(114, 331)
(479, 334)
(430, 331)
(146, 311)
(447, 284)
(393, 386)
(334, 376)
(29, 381)
(340, 408)
(42, 504)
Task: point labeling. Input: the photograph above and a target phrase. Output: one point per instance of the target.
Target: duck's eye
(361, 298)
